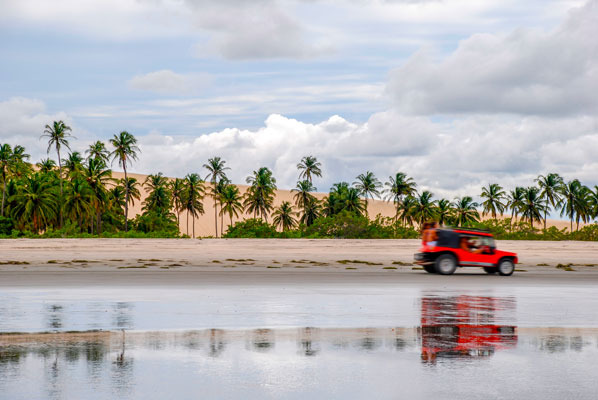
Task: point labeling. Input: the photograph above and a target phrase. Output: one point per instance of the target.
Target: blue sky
(456, 93)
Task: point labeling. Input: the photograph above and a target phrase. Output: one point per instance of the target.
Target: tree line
(79, 194)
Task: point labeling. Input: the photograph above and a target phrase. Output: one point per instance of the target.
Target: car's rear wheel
(446, 264)
(430, 269)
(506, 267)
(491, 270)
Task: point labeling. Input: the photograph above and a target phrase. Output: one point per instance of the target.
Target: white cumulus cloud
(524, 72)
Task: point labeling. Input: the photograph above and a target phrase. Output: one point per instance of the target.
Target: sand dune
(204, 224)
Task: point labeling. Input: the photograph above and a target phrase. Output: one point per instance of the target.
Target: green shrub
(251, 228)
(6, 225)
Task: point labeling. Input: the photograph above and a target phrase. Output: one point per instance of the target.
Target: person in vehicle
(429, 235)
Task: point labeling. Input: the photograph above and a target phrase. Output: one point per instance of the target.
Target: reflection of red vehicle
(464, 327)
(464, 247)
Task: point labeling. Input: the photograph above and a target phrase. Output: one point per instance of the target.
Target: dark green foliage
(251, 228)
(6, 225)
(156, 222)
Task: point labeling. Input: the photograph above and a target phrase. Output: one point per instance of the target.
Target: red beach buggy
(464, 247)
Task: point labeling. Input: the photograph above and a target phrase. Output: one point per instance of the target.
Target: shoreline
(189, 262)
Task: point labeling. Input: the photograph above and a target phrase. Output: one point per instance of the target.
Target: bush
(348, 225)
(6, 225)
(150, 222)
(251, 228)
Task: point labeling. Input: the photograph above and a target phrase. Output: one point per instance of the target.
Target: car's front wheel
(506, 267)
(430, 269)
(446, 264)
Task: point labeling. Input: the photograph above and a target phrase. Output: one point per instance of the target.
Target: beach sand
(50, 262)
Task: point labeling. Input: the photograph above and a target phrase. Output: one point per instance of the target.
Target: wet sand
(105, 262)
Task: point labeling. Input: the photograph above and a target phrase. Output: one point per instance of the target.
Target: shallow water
(300, 342)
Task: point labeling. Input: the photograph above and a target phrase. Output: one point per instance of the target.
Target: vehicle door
(480, 253)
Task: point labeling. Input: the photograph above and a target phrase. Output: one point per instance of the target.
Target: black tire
(491, 270)
(430, 269)
(505, 267)
(446, 264)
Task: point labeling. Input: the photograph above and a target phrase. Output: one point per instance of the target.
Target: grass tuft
(272, 266)
(565, 267)
(401, 263)
(389, 267)
(13, 262)
(417, 269)
(358, 262)
(542, 265)
(350, 268)
(132, 266)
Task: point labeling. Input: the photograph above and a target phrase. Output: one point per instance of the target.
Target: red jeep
(464, 247)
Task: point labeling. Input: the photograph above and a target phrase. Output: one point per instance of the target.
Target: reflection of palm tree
(216, 345)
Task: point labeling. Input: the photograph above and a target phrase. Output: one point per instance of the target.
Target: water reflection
(464, 327)
(54, 315)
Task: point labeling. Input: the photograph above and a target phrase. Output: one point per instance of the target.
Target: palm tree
(125, 150)
(220, 185)
(549, 186)
(6, 163)
(425, 207)
(309, 166)
(494, 194)
(284, 216)
(154, 181)
(132, 186)
(98, 177)
(58, 135)
(73, 163)
(398, 187)
(593, 202)
(98, 150)
(216, 169)
(406, 210)
(79, 200)
(532, 205)
(302, 195)
(177, 188)
(311, 211)
(194, 191)
(159, 200)
(35, 201)
(20, 167)
(575, 200)
(230, 202)
(444, 211)
(343, 197)
(368, 186)
(466, 210)
(46, 165)
(515, 201)
(260, 195)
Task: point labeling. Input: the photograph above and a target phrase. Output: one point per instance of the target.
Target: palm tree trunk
(194, 227)
(3, 191)
(221, 221)
(367, 215)
(60, 176)
(126, 197)
(215, 210)
(187, 223)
